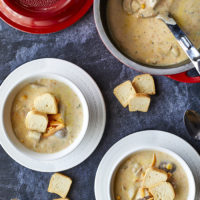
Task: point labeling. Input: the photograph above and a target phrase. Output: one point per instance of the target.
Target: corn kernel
(169, 166)
(118, 197)
(143, 174)
(143, 6)
(24, 97)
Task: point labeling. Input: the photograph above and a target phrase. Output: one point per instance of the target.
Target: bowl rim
(46, 156)
(184, 165)
(124, 59)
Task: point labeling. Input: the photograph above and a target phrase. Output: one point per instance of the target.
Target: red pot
(42, 16)
(177, 72)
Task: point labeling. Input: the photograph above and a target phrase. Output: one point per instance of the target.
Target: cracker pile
(136, 94)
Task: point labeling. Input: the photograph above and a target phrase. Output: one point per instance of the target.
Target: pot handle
(1, 13)
(183, 77)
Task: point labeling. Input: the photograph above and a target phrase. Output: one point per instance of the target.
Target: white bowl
(190, 177)
(6, 119)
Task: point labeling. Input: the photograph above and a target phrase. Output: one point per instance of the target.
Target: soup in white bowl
(152, 174)
(70, 113)
(45, 144)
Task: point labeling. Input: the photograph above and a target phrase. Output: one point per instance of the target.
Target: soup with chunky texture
(139, 176)
(136, 30)
(47, 116)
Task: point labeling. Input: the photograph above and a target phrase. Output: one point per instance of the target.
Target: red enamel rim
(7, 14)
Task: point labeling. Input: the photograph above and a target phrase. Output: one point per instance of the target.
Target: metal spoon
(183, 40)
(192, 123)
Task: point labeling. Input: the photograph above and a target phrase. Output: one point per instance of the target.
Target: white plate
(145, 138)
(96, 108)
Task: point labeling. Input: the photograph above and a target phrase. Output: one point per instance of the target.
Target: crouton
(144, 84)
(36, 121)
(61, 199)
(34, 135)
(139, 102)
(46, 103)
(163, 190)
(59, 184)
(124, 92)
(154, 176)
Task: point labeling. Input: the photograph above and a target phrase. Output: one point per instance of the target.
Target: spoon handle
(186, 45)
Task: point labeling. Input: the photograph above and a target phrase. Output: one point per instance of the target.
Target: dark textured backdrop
(81, 45)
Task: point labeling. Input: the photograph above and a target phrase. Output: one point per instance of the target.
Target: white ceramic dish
(88, 92)
(152, 140)
(190, 177)
(6, 117)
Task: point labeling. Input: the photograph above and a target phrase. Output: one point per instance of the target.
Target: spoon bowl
(192, 123)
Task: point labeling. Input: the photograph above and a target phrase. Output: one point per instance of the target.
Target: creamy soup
(68, 104)
(130, 173)
(146, 39)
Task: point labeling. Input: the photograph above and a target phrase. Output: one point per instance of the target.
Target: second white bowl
(190, 177)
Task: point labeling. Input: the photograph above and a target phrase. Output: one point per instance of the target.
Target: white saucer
(95, 103)
(145, 138)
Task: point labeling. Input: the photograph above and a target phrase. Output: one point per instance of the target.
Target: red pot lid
(42, 16)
